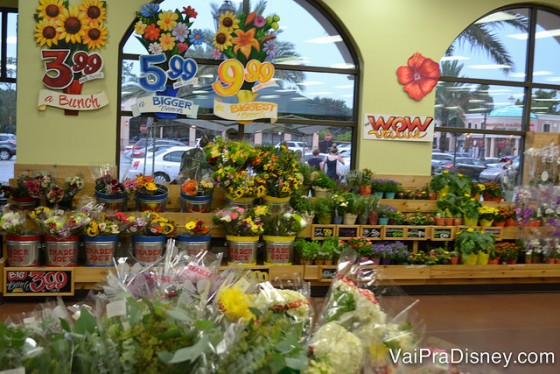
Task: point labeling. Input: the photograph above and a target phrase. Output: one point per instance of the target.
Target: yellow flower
(46, 33)
(95, 36)
(93, 10)
(70, 25)
(140, 27)
(234, 303)
(167, 20)
(222, 40)
(50, 9)
(244, 41)
(228, 22)
(260, 210)
(190, 225)
(150, 186)
(167, 42)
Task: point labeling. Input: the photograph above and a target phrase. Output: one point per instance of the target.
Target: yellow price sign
(232, 74)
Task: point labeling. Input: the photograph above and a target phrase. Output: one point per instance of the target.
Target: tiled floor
(469, 324)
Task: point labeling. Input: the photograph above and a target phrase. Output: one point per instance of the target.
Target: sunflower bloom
(94, 36)
(50, 9)
(93, 10)
(167, 20)
(46, 34)
(228, 22)
(244, 41)
(222, 39)
(167, 42)
(70, 25)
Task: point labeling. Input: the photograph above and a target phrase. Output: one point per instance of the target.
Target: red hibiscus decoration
(419, 77)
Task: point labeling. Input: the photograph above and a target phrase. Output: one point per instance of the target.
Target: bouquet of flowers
(286, 223)
(196, 228)
(72, 185)
(150, 224)
(141, 184)
(241, 221)
(204, 187)
(239, 183)
(278, 170)
(11, 222)
(55, 222)
(107, 184)
(106, 225)
(167, 32)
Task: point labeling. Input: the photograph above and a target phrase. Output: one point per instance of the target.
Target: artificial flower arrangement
(167, 32)
(150, 224)
(278, 169)
(196, 228)
(106, 225)
(246, 37)
(239, 221)
(56, 222)
(11, 222)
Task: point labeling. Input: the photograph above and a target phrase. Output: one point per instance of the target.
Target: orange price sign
(232, 75)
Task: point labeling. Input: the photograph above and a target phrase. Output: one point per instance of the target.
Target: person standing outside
(330, 163)
(315, 161)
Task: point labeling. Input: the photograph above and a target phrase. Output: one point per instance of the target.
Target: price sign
(232, 75)
(348, 231)
(496, 231)
(443, 233)
(59, 73)
(322, 231)
(327, 274)
(38, 281)
(420, 233)
(394, 233)
(153, 78)
(372, 232)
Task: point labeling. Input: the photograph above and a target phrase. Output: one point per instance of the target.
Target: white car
(167, 164)
(295, 146)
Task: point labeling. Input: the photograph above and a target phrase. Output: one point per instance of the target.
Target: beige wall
(386, 33)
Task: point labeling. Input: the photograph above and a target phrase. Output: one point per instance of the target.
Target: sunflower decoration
(167, 32)
(246, 36)
(75, 27)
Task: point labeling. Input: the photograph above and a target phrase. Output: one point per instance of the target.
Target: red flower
(190, 12)
(152, 32)
(419, 77)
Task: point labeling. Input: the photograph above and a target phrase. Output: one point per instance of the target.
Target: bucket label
(23, 257)
(62, 257)
(242, 255)
(279, 254)
(146, 256)
(99, 254)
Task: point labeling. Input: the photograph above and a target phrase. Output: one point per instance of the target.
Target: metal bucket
(279, 250)
(148, 249)
(62, 251)
(23, 249)
(100, 249)
(112, 203)
(193, 245)
(195, 204)
(153, 203)
(243, 249)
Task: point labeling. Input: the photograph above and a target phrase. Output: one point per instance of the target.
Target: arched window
(316, 81)
(501, 72)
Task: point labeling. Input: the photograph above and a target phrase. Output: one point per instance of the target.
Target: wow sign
(71, 35)
(232, 77)
(397, 127)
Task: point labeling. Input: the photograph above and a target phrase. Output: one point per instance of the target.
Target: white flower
(339, 348)
(225, 219)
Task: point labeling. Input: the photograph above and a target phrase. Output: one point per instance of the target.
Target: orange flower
(151, 32)
(244, 41)
(190, 187)
(419, 77)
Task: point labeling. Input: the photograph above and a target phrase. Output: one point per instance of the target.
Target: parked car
(7, 146)
(439, 157)
(139, 148)
(167, 164)
(294, 146)
(468, 166)
(497, 172)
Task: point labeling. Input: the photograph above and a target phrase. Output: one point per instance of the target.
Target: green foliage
(471, 241)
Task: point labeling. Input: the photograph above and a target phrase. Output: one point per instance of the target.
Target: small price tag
(116, 308)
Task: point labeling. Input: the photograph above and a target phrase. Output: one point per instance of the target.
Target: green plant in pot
(326, 252)
(470, 242)
(308, 250)
(469, 207)
(323, 210)
(321, 182)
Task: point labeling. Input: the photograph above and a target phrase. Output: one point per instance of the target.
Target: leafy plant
(322, 206)
(308, 250)
(322, 180)
(472, 241)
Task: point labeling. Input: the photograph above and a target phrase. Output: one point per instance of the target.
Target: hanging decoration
(68, 36)
(167, 36)
(419, 77)
(247, 40)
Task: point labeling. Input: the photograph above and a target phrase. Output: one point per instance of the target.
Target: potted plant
(362, 246)
(332, 245)
(195, 239)
(364, 177)
(384, 211)
(493, 191)
(486, 215)
(108, 190)
(326, 253)
(468, 206)
(322, 184)
(508, 252)
(308, 250)
(323, 210)
(470, 242)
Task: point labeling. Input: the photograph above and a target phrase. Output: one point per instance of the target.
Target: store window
(500, 72)
(316, 83)
(8, 72)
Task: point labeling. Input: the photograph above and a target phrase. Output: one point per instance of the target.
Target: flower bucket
(279, 250)
(276, 204)
(148, 249)
(112, 203)
(193, 245)
(153, 203)
(23, 249)
(195, 204)
(62, 252)
(243, 249)
(100, 249)
(243, 202)
(25, 203)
